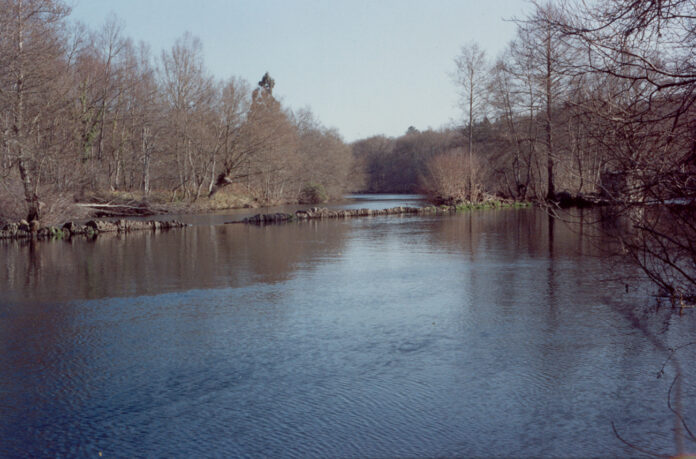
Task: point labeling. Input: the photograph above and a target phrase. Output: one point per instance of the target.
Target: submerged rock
(259, 219)
(24, 226)
(71, 228)
(102, 226)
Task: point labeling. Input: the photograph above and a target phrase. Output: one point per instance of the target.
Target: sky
(363, 67)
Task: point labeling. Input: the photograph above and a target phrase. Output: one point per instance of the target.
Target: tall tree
(327, 160)
(272, 145)
(471, 76)
(32, 79)
(516, 100)
(235, 150)
(549, 52)
(189, 93)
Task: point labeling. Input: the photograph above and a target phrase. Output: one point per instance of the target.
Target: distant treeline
(415, 161)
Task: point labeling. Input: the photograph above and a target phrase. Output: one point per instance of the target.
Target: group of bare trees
(585, 94)
(526, 92)
(589, 102)
(88, 110)
(603, 96)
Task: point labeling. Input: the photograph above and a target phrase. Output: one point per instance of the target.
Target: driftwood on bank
(32, 230)
(118, 210)
(316, 213)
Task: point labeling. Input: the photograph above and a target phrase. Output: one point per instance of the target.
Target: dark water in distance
(492, 333)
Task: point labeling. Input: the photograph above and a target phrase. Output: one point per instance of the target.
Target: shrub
(313, 193)
(446, 179)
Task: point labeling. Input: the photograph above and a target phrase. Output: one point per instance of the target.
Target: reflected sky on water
(494, 332)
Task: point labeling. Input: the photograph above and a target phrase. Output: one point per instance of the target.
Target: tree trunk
(32, 200)
(146, 161)
(551, 192)
(23, 163)
(471, 135)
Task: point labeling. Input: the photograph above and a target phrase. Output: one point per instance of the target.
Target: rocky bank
(33, 230)
(316, 213)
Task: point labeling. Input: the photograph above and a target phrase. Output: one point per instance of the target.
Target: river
(488, 333)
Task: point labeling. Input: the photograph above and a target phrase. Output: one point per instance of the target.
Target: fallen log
(118, 210)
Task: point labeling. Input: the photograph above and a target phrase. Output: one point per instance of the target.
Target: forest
(584, 102)
(88, 114)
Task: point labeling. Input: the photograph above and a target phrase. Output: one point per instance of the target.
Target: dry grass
(167, 201)
(223, 199)
(57, 208)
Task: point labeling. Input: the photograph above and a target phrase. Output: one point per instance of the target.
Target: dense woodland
(586, 100)
(84, 111)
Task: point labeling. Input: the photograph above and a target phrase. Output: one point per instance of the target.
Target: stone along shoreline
(316, 213)
(32, 230)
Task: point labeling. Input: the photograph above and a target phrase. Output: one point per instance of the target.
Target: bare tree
(446, 179)
(272, 143)
(190, 96)
(373, 153)
(547, 55)
(639, 106)
(516, 101)
(235, 152)
(471, 76)
(326, 160)
(89, 111)
(35, 69)
(142, 119)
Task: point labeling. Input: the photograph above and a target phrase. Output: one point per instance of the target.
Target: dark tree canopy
(267, 83)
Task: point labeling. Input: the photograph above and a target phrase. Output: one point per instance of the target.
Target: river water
(489, 333)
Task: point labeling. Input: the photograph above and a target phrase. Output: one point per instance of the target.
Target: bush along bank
(33, 230)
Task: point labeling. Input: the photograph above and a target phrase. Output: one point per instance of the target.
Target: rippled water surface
(492, 333)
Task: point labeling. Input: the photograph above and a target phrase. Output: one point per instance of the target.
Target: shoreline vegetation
(323, 213)
(93, 228)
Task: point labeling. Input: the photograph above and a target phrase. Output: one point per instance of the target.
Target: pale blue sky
(363, 67)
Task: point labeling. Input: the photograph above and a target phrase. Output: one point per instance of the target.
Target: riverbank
(123, 212)
(129, 204)
(316, 213)
(32, 230)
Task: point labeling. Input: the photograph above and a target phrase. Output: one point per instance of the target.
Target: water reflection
(143, 263)
(480, 334)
